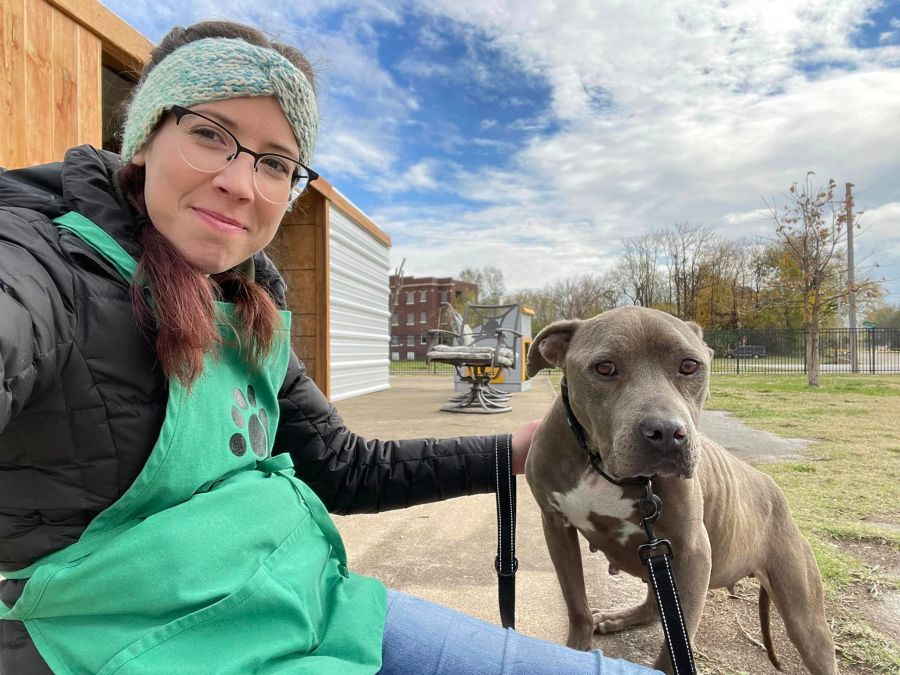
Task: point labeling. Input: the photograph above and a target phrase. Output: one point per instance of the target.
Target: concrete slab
(751, 445)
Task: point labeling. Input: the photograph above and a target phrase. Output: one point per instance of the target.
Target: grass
(420, 367)
(845, 491)
(846, 488)
(850, 481)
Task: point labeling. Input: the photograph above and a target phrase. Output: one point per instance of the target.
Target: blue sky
(535, 135)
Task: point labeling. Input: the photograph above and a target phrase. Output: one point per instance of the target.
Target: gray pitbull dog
(637, 380)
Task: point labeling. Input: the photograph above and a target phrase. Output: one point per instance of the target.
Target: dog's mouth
(678, 465)
(676, 468)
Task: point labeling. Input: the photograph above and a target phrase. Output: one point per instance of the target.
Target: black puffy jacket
(83, 398)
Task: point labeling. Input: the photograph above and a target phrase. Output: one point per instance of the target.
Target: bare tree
(686, 250)
(398, 287)
(638, 272)
(579, 297)
(582, 297)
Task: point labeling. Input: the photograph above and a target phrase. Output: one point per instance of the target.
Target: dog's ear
(548, 350)
(698, 329)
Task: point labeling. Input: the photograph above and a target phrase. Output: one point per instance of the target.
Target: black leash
(656, 554)
(505, 563)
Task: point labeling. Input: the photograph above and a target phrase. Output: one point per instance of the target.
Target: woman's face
(216, 220)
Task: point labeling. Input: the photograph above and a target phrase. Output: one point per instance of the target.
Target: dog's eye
(689, 367)
(606, 368)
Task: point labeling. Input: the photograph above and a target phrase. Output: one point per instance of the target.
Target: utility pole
(851, 281)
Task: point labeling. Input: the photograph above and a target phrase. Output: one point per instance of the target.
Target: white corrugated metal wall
(359, 296)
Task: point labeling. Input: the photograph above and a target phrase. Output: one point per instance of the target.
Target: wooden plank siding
(90, 89)
(297, 251)
(323, 297)
(12, 58)
(39, 54)
(50, 75)
(64, 60)
(124, 49)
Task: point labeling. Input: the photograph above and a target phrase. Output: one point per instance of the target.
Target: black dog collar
(593, 457)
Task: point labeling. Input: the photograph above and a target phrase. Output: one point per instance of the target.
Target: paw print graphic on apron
(245, 414)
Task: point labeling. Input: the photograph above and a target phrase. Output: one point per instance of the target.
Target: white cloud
(710, 111)
(419, 176)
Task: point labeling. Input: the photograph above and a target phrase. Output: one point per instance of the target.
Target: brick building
(416, 310)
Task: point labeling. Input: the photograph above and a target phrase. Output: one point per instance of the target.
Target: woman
(152, 413)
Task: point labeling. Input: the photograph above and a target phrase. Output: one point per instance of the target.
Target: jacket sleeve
(26, 327)
(354, 475)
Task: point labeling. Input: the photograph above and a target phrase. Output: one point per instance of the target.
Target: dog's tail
(765, 605)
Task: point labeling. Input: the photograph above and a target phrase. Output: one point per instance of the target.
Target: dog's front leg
(691, 566)
(562, 542)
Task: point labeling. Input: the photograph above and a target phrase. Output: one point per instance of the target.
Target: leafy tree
(463, 299)
(812, 234)
(884, 316)
(491, 287)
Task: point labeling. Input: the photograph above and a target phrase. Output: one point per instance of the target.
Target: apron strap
(97, 238)
(283, 465)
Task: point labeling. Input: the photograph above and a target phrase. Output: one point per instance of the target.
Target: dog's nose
(664, 434)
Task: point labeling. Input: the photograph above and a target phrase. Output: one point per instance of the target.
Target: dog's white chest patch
(595, 495)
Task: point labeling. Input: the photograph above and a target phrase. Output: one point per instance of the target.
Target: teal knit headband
(214, 69)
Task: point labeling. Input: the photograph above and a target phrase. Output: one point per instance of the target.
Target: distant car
(746, 352)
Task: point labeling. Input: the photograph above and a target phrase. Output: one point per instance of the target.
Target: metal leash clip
(651, 508)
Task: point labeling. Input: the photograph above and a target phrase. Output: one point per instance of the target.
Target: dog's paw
(606, 622)
(613, 620)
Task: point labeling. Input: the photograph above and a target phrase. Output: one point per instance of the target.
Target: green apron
(216, 559)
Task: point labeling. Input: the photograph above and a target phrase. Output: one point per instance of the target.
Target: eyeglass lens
(209, 147)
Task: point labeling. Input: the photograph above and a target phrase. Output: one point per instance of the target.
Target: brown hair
(183, 311)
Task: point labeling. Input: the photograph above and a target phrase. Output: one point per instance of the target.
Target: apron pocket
(276, 617)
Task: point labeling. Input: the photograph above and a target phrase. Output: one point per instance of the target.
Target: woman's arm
(354, 475)
(20, 293)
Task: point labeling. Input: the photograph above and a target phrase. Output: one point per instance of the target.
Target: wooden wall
(50, 75)
(300, 250)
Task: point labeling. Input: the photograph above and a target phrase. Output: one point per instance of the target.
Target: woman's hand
(521, 443)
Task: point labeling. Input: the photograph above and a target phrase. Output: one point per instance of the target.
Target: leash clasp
(646, 551)
(651, 508)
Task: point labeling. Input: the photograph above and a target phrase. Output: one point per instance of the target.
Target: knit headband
(214, 69)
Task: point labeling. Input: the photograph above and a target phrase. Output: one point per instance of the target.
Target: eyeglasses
(207, 146)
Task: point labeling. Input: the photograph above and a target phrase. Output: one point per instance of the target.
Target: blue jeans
(422, 638)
